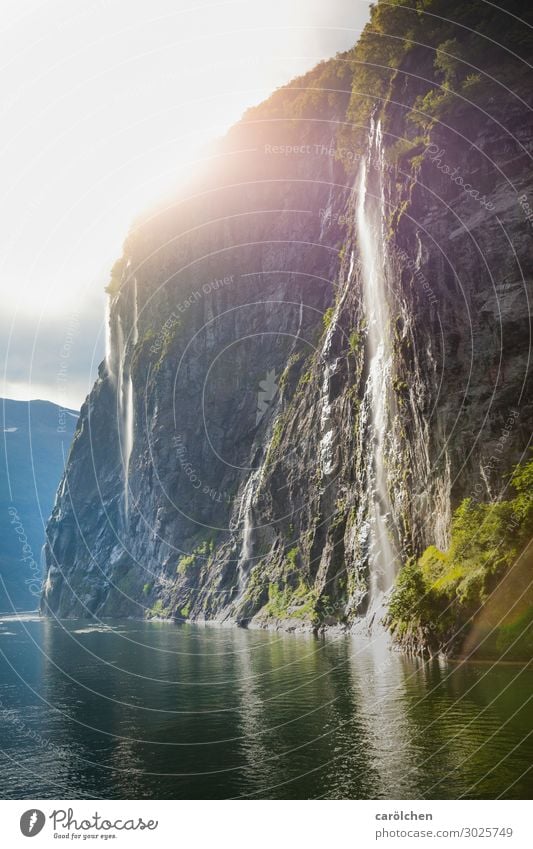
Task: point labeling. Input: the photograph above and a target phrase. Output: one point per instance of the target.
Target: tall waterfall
(108, 338)
(119, 347)
(127, 400)
(245, 520)
(370, 218)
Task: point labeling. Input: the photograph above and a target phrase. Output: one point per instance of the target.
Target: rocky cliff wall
(269, 440)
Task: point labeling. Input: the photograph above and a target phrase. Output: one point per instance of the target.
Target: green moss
(277, 431)
(185, 563)
(292, 603)
(167, 340)
(256, 586)
(292, 363)
(292, 556)
(275, 440)
(399, 385)
(442, 590)
(305, 378)
(339, 516)
(403, 151)
(158, 611)
(355, 341)
(200, 553)
(147, 589)
(455, 82)
(327, 318)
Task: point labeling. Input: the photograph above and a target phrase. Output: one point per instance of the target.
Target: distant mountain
(36, 437)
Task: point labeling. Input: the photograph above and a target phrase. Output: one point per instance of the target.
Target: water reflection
(151, 710)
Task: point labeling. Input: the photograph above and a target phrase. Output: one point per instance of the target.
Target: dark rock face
(235, 397)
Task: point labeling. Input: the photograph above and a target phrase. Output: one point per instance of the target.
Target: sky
(106, 105)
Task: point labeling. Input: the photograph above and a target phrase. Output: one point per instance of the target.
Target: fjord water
(156, 710)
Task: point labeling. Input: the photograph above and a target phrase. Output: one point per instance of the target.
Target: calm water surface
(153, 710)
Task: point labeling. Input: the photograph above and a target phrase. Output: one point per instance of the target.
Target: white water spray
(245, 519)
(118, 360)
(127, 392)
(370, 217)
(108, 339)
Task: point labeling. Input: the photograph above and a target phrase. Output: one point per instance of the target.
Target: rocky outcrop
(247, 446)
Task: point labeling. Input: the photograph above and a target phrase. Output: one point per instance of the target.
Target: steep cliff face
(313, 356)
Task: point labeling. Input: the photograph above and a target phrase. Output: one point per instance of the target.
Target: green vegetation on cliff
(437, 598)
(290, 603)
(434, 59)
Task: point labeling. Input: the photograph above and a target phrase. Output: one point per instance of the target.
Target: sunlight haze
(106, 106)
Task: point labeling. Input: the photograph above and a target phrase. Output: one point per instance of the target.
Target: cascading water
(108, 338)
(127, 396)
(118, 360)
(370, 218)
(245, 520)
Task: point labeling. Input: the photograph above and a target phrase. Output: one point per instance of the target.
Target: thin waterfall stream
(245, 521)
(370, 219)
(119, 349)
(126, 395)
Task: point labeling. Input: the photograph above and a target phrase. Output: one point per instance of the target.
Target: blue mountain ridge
(36, 438)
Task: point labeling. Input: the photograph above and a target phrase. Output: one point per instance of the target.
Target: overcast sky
(104, 104)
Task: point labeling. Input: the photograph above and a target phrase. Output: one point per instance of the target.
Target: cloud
(56, 359)
(87, 147)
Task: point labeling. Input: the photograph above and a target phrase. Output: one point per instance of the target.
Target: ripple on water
(143, 711)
